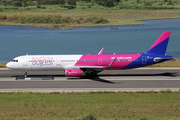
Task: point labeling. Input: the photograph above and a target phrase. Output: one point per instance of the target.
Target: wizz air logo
(42, 61)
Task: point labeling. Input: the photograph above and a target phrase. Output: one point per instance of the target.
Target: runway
(115, 80)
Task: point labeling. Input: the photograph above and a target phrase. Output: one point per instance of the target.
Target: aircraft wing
(99, 67)
(84, 67)
(95, 67)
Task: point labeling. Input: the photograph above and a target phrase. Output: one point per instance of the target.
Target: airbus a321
(79, 65)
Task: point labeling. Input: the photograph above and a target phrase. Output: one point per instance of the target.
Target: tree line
(106, 3)
(26, 3)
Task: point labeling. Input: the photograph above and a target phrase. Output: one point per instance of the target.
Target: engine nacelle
(73, 72)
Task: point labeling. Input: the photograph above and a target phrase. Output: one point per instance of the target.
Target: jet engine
(73, 72)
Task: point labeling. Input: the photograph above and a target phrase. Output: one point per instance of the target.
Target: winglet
(160, 45)
(100, 52)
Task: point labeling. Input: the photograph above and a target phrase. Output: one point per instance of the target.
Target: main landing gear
(25, 74)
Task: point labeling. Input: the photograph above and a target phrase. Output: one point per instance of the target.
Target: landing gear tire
(25, 74)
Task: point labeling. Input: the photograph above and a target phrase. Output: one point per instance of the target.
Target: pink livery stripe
(114, 62)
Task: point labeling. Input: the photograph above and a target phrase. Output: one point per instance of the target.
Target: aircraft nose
(8, 65)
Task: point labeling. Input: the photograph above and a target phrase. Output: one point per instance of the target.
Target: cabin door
(99, 61)
(144, 60)
(24, 61)
(58, 61)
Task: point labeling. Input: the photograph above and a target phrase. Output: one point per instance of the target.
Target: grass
(115, 17)
(2, 65)
(126, 12)
(162, 105)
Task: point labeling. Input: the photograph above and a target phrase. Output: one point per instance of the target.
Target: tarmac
(141, 79)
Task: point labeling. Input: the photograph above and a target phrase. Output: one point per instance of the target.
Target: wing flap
(93, 67)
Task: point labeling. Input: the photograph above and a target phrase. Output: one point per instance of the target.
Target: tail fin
(160, 45)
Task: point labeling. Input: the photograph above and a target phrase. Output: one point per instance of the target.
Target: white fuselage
(43, 62)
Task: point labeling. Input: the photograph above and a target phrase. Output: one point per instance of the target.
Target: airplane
(79, 65)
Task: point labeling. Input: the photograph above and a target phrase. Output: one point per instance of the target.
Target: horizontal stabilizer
(158, 59)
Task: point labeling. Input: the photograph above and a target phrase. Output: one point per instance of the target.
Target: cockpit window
(14, 60)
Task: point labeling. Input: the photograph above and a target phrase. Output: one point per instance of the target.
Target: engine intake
(73, 72)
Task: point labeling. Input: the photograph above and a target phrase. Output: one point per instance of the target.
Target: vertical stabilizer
(160, 45)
